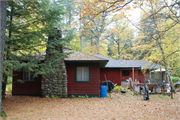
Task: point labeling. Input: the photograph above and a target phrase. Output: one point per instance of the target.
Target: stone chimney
(54, 84)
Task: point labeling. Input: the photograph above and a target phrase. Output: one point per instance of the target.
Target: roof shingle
(128, 63)
(78, 56)
(74, 56)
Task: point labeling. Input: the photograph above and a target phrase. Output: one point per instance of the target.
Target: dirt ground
(117, 107)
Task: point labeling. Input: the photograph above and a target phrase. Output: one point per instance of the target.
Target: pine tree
(29, 23)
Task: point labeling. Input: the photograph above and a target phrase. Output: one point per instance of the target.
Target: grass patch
(3, 114)
(83, 96)
(160, 96)
(132, 92)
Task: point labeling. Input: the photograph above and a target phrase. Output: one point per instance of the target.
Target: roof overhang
(102, 63)
(137, 68)
(159, 70)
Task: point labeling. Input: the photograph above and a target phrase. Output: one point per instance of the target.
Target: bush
(9, 89)
(174, 79)
(118, 88)
(9, 80)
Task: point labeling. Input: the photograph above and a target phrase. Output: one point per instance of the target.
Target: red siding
(89, 88)
(142, 77)
(112, 75)
(28, 88)
(128, 76)
(116, 75)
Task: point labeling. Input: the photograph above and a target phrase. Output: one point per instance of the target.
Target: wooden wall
(83, 88)
(76, 88)
(112, 75)
(27, 88)
(143, 77)
(116, 75)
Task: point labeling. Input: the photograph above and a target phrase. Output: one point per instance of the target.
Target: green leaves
(29, 24)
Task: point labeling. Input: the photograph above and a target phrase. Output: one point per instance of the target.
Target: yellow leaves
(128, 8)
(134, 7)
(93, 7)
(92, 1)
(135, 2)
(155, 1)
(152, 1)
(127, 56)
(123, 15)
(84, 12)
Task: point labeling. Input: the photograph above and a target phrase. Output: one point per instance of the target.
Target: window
(126, 73)
(27, 76)
(82, 74)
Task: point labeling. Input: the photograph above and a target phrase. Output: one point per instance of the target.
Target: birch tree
(121, 37)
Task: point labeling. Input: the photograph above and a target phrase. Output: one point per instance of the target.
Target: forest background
(128, 30)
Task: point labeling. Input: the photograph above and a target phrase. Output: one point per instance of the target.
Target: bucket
(103, 91)
(168, 91)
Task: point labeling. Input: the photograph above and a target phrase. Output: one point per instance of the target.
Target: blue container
(103, 91)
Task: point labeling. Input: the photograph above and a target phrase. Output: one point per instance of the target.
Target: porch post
(120, 75)
(161, 82)
(137, 75)
(133, 76)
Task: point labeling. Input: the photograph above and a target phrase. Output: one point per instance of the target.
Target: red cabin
(84, 74)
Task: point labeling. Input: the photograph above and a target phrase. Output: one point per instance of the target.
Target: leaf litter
(117, 107)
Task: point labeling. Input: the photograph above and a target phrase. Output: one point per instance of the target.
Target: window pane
(27, 76)
(82, 73)
(86, 73)
(79, 73)
(126, 73)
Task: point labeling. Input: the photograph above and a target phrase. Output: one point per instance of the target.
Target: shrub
(73, 96)
(174, 79)
(9, 89)
(9, 80)
(118, 88)
(83, 96)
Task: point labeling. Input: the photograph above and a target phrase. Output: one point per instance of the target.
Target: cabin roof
(74, 56)
(129, 63)
(79, 56)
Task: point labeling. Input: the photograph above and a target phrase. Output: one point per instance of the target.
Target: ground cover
(117, 106)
